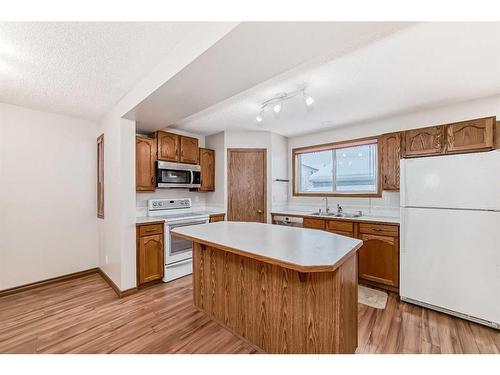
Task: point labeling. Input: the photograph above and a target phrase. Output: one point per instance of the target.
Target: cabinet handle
(152, 180)
(377, 229)
(259, 211)
(385, 179)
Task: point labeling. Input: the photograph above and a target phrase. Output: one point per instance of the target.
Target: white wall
(47, 197)
(217, 143)
(117, 230)
(389, 202)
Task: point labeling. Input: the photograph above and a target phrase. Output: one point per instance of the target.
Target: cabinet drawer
(380, 229)
(148, 229)
(314, 223)
(342, 233)
(215, 218)
(343, 226)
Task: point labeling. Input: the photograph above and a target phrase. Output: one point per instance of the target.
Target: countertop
(153, 219)
(364, 218)
(300, 249)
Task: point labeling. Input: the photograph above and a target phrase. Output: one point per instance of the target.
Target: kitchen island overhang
(284, 290)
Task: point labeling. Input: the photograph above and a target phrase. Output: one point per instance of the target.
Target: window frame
(332, 146)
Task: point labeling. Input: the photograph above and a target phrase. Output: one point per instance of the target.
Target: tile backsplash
(387, 205)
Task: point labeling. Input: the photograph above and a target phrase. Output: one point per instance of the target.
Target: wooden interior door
(246, 185)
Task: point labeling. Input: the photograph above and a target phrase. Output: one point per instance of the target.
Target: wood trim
(335, 145)
(275, 262)
(264, 151)
(119, 293)
(100, 176)
(332, 146)
(37, 284)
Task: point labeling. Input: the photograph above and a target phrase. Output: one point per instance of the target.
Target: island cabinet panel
(145, 157)
(277, 309)
(474, 135)
(390, 154)
(423, 142)
(189, 150)
(379, 259)
(168, 146)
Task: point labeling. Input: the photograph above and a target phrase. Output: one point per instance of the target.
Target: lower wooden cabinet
(217, 217)
(150, 253)
(378, 259)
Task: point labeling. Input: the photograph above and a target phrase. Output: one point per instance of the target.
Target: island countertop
(299, 249)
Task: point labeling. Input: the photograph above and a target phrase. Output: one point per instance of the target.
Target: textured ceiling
(423, 66)
(80, 69)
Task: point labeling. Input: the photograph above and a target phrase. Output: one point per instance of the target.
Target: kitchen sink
(338, 214)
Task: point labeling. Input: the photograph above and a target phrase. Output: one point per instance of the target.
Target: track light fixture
(277, 102)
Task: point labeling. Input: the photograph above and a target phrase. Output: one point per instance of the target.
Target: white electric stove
(178, 251)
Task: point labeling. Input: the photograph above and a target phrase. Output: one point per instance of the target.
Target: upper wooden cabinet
(145, 157)
(390, 152)
(189, 150)
(168, 146)
(425, 141)
(207, 165)
(471, 135)
(177, 148)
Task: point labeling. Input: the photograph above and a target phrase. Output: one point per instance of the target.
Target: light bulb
(277, 108)
(259, 118)
(309, 100)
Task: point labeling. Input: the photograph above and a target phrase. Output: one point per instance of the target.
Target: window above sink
(337, 169)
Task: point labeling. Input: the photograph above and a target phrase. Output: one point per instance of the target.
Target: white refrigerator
(450, 235)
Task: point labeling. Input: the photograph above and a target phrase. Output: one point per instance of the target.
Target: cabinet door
(379, 259)
(168, 146)
(425, 141)
(189, 150)
(390, 151)
(145, 157)
(207, 165)
(471, 135)
(216, 218)
(150, 258)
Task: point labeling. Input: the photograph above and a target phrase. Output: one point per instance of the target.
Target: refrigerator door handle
(402, 182)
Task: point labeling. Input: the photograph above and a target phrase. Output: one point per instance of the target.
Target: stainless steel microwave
(177, 175)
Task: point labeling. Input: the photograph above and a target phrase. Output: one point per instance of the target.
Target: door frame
(229, 182)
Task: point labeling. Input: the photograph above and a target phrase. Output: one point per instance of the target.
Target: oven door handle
(173, 226)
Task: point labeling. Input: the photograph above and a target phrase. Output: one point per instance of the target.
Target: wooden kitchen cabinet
(314, 223)
(150, 253)
(378, 259)
(145, 157)
(468, 136)
(424, 141)
(168, 146)
(207, 165)
(390, 154)
(189, 150)
(217, 217)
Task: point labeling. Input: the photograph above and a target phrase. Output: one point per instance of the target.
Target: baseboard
(119, 293)
(74, 275)
(37, 284)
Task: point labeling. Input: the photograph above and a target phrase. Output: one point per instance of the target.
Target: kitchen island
(282, 289)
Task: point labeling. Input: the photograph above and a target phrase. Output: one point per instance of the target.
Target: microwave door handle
(192, 177)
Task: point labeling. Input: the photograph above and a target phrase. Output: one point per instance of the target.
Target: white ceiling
(423, 66)
(250, 54)
(80, 69)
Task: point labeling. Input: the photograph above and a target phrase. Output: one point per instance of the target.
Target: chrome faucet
(339, 209)
(327, 209)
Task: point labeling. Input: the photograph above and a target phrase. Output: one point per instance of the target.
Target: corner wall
(47, 195)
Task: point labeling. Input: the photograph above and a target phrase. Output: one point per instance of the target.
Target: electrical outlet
(106, 259)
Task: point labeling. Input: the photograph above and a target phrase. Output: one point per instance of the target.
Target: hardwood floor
(84, 316)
